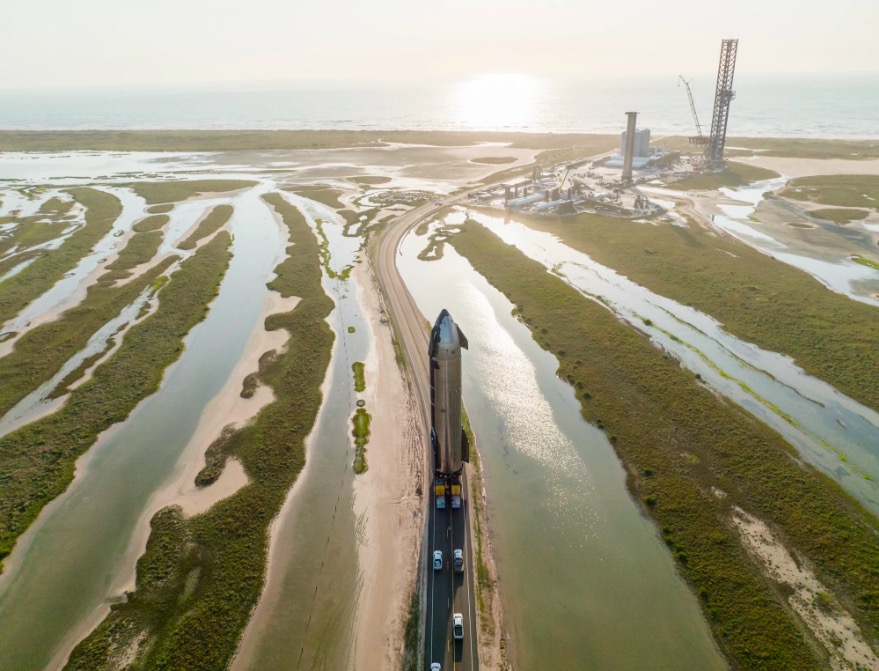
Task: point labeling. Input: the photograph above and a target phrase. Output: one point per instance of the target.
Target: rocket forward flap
(465, 445)
(461, 337)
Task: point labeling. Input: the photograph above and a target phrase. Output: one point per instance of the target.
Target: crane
(698, 139)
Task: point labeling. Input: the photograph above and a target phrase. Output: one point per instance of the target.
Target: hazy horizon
(98, 45)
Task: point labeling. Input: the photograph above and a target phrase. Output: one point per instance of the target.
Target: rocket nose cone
(446, 330)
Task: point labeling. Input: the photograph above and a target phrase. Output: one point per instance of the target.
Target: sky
(167, 43)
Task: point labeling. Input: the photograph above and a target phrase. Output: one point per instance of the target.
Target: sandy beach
(385, 496)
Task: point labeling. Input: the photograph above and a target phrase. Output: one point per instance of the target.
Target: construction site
(604, 185)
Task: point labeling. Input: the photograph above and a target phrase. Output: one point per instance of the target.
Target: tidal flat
(189, 599)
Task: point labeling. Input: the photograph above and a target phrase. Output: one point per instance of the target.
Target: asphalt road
(447, 592)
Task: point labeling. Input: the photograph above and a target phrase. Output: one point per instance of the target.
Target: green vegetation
(361, 421)
(152, 223)
(369, 180)
(161, 209)
(351, 329)
(11, 262)
(494, 160)
(322, 194)
(215, 219)
(49, 223)
(839, 190)
(43, 350)
(870, 263)
(141, 248)
(411, 639)
(200, 577)
(175, 191)
(102, 209)
(484, 583)
(325, 255)
(37, 461)
(788, 147)
(734, 175)
(359, 376)
(839, 215)
(679, 442)
(756, 298)
(230, 140)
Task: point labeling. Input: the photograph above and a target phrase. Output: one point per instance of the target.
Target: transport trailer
(448, 440)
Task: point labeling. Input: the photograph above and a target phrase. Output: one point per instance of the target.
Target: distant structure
(697, 139)
(723, 96)
(629, 149)
(642, 143)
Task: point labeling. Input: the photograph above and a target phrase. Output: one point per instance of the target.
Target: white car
(436, 666)
(458, 626)
(437, 560)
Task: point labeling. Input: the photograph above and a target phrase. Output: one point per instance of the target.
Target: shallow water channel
(585, 580)
(305, 616)
(833, 432)
(81, 551)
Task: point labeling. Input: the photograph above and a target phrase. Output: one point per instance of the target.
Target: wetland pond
(577, 561)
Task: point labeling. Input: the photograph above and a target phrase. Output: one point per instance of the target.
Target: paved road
(447, 592)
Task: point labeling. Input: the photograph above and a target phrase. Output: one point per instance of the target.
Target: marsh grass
(838, 190)
(200, 578)
(662, 421)
(37, 460)
(734, 175)
(756, 298)
(42, 351)
(322, 194)
(178, 190)
(360, 431)
(358, 368)
(231, 140)
(216, 219)
(839, 215)
(102, 209)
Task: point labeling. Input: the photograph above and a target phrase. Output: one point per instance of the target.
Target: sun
(497, 101)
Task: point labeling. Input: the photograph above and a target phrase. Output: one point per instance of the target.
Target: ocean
(830, 106)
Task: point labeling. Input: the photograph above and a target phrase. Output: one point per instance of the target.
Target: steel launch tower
(723, 96)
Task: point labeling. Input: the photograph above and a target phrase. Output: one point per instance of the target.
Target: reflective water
(585, 580)
(94, 525)
(304, 619)
(830, 430)
(841, 275)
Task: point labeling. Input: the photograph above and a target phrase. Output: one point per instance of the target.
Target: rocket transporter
(448, 440)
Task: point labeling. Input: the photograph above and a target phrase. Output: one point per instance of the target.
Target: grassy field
(734, 175)
(360, 432)
(102, 209)
(839, 215)
(37, 461)
(322, 194)
(755, 297)
(494, 160)
(200, 578)
(152, 223)
(839, 190)
(177, 190)
(141, 248)
(788, 147)
(369, 180)
(42, 351)
(678, 442)
(47, 224)
(232, 140)
(215, 220)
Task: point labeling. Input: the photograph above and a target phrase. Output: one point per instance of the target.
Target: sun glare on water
(498, 101)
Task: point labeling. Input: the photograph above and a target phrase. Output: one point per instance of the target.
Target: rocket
(450, 445)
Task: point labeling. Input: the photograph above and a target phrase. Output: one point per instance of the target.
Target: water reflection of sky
(835, 433)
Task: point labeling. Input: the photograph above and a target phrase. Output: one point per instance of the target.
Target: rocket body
(450, 446)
